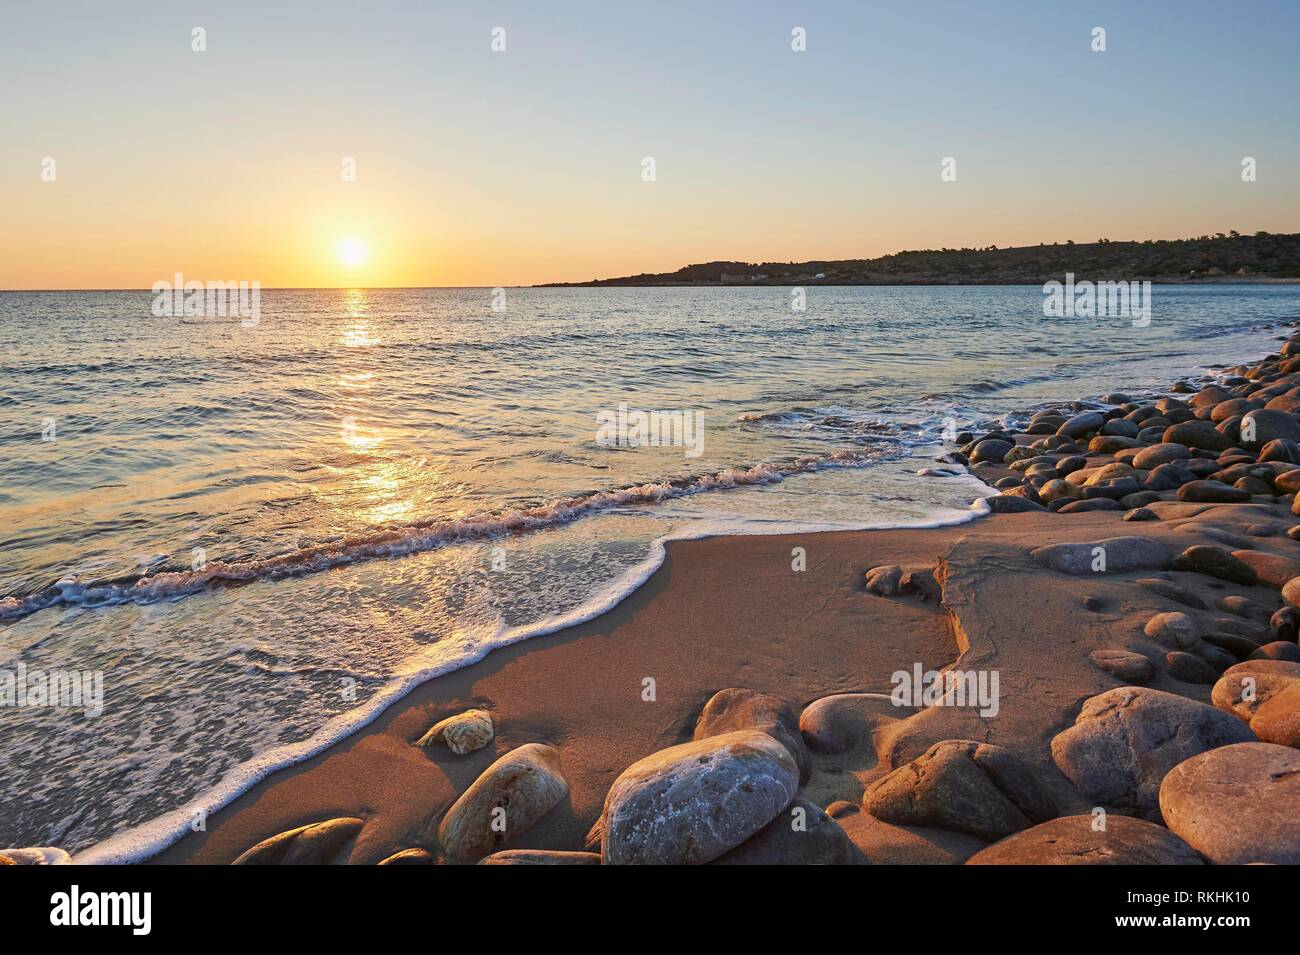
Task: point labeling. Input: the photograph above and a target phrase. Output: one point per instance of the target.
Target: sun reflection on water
(380, 484)
(357, 333)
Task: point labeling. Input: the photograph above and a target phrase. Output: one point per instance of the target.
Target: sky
(483, 168)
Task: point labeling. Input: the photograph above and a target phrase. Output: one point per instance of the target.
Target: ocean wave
(414, 538)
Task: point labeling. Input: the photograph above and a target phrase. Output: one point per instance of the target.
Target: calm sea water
(261, 535)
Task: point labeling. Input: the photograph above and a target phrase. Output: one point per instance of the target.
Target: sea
(258, 534)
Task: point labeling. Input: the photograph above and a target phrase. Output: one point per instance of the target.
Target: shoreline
(386, 773)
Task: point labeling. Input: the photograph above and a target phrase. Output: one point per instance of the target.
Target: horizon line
(601, 284)
(610, 282)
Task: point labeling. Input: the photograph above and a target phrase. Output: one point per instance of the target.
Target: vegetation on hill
(1221, 257)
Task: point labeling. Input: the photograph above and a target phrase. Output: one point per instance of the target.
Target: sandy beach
(1130, 624)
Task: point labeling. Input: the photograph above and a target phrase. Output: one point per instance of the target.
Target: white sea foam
(413, 539)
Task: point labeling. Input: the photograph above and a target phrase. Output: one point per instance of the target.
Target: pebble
(1173, 629)
(884, 581)
(1171, 591)
(1081, 424)
(463, 733)
(1215, 562)
(992, 450)
(1094, 504)
(1285, 624)
(1011, 504)
(1197, 434)
(1270, 425)
(1124, 665)
(1212, 492)
(1189, 668)
(1278, 650)
(1243, 607)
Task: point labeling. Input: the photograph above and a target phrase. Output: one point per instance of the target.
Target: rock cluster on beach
(1163, 729)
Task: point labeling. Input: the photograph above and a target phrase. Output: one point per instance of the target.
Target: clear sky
(482, 168)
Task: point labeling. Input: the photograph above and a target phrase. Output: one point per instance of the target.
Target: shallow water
(260, 534)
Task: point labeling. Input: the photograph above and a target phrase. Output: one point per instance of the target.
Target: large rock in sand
(1244, 688)
(738, 708)
(1158, 454)
(885, 580)
(1166, 477)
(1189, 668)
(691, 803)
(1125, 665)
(463, 733)
(1278, 720)
(1277, 650)
(1093, 504)
(1212, 492)
(1081, 424)
(1284, 624)
(1171, 591)
(1197, 434)
(1237, 804)
(991, 449)
(1215, 562)
(839, 722)
(1280, 450)
(1114, 555)
(315, 844)
(1287, 482)
(964, 786)
(1272, 570)
(504, 802)
(801, 835)
(1072, 840)
(1291, 589)
(1263, 425)
(1173, 629)
(1124, 741)
(1011, 504)
(1243, 607)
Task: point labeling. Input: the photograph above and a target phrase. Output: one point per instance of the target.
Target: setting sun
(351, 251)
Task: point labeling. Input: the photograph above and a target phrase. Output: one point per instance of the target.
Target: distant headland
(1223, 257)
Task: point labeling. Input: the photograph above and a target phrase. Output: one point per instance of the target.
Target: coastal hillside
(1220, 257)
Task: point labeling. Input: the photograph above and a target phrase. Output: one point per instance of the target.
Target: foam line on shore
(415, 538)
(150, 838)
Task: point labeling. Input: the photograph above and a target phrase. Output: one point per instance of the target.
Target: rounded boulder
(691, 803)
